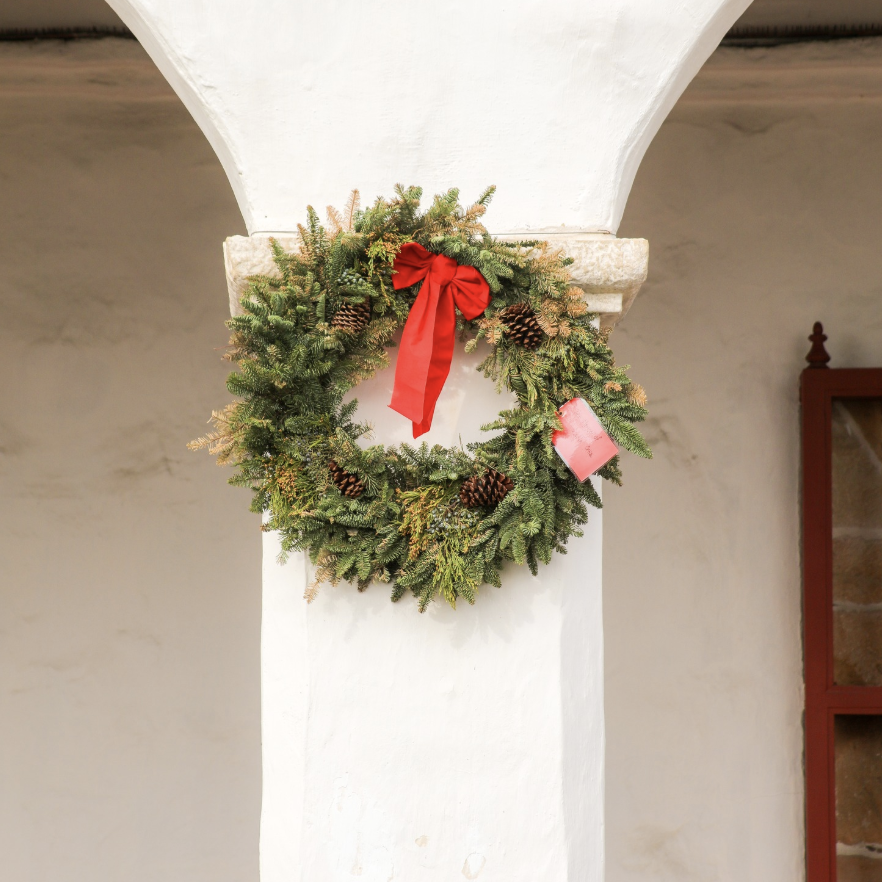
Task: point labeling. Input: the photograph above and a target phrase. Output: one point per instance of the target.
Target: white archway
(301, 101)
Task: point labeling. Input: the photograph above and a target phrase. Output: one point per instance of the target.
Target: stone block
(610, 271)
(857, 567)
(857, 465)
(856, 868)
(857, 646)
(858, 756)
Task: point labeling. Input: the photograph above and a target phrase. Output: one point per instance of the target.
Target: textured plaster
(303, 101)
(246, 256)
(436, 746)
(129, 571)
(764, 216)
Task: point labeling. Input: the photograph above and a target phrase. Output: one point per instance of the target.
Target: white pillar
(457, 742)
(425, 747)
(405, 746)
(554, 102)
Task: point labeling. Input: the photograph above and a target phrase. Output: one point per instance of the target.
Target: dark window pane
(858, 748)
(857, 541)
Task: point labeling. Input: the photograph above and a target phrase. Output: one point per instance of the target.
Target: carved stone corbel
(609, 270)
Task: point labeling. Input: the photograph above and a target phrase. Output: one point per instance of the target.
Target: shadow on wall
(129, 712)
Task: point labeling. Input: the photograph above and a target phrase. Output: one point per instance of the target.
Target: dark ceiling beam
(737, 36)
(778, 35)
(22, 35)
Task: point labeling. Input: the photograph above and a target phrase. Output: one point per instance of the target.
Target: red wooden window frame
(824, 700)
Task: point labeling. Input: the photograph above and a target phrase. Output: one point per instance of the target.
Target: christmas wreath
(429, 520)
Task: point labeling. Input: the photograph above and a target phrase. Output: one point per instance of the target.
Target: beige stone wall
(129, 571)
(760, 198)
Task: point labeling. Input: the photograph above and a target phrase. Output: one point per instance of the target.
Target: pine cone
(348, 484)
(522, 325)
(487, 489)
(352, 317)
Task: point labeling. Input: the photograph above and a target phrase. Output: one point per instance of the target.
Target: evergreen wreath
(429, 520)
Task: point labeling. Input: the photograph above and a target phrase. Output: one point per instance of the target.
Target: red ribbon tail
(424, 356)
(422, 428)
(419, 428)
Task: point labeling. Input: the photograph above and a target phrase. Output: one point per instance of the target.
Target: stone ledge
(610, 271)
(246, 256)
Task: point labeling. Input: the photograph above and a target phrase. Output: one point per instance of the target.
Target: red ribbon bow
(427, 342)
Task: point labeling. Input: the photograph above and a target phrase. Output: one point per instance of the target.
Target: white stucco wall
(554, 103)
(761, 201)
(129, 572)
(460, 744)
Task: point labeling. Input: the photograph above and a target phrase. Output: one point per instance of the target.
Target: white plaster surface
(554, 103)
(466, 742)
(406, 746)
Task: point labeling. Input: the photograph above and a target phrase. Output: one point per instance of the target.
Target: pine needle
(352, 207)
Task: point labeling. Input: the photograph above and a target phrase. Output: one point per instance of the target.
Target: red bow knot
(427, 342)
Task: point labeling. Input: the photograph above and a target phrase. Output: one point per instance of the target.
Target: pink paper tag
(583, 443)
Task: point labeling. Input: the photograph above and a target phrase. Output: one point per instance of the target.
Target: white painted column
(457, 742)
(405, 746)
(451, 744)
